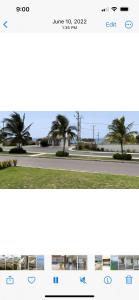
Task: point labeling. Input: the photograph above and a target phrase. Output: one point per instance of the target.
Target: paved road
(126, 168)
(53, 149)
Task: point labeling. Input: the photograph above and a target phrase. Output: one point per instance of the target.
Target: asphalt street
(124, 168)
(53, 149)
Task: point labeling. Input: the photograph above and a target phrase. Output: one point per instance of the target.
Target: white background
(69, 72)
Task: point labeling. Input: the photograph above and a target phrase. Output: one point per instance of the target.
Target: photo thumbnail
(117, 262)
(21, 262)
(69, 262)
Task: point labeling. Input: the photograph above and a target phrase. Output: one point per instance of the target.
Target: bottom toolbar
(69, 276)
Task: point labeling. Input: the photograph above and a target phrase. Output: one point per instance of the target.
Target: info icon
(107, 280)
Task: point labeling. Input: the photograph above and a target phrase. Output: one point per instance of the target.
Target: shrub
(127, 156)
(86, 146)
(62, 153)
(117, 156)
(100, 149)
(44, 142)
(7, 163)
(79, 146)
(32, 143)
(17, 151)
(14, 162)
(1, 150)
(123, 156)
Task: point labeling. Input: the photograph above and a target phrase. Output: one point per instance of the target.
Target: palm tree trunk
(64, 143)
(122, 149)
(19, 146)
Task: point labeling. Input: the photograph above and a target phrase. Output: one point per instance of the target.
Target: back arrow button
(5, 24)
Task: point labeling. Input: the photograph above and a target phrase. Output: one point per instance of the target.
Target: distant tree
(120, 133)
(3, 135)
(61, 128)
(16, 131)
(137, 139)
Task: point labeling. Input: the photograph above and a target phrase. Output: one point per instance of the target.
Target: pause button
(55, 280)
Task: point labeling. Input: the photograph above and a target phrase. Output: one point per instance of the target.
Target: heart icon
(31, 279)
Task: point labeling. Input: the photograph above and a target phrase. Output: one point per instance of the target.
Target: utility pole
(78, 118)
(93, 133)
(98, 137)
(80, 127)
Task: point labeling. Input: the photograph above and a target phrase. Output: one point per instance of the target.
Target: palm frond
(15, 128)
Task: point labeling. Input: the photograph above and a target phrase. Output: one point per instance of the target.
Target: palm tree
(119, 132)
(15, 129)
(60, 128)
(2, 136)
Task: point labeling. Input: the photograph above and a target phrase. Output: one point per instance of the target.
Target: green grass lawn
(31, 178)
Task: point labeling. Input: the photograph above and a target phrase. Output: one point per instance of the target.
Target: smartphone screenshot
(69, 149)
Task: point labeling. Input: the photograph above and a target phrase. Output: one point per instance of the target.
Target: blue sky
(42, 121)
